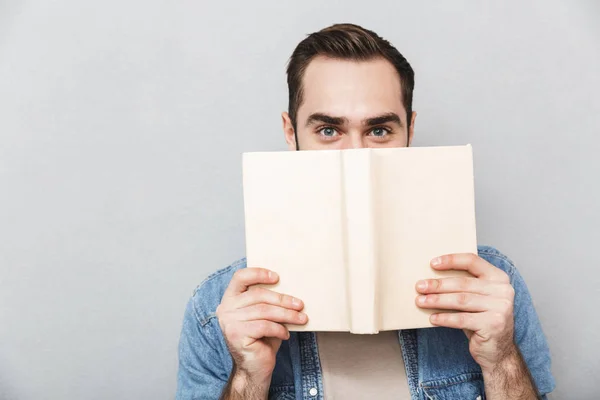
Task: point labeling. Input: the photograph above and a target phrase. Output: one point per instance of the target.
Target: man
(349, 88)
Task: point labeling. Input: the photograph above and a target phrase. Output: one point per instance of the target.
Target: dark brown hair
(346, 42)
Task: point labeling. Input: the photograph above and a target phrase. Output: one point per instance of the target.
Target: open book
(350, 232)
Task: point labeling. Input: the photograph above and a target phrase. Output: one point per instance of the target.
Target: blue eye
(379, 132)
(328, 132)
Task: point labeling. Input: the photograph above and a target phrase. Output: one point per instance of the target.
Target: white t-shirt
(358, 365)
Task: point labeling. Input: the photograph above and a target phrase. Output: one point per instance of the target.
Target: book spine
(360, 257)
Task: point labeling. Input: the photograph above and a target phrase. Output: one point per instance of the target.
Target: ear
(411, 130)
(288, 131)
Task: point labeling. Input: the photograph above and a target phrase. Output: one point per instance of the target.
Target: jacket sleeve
(204, 362)
(529, 336)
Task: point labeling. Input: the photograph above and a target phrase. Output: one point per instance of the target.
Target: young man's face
(350, 104)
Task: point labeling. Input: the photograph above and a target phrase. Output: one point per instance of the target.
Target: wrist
(509, 364)
(250, 386)
(509, 378)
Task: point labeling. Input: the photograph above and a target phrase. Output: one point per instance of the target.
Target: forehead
(352, 89)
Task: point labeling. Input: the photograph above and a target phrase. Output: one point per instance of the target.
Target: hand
(251, 320)
(484, 303)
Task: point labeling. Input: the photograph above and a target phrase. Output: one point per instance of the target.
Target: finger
(466, 320)
(265, 329)
(271, 313)
(471, 263)
(256, 295)
(456, 301)
(246, 277)
(483, 324)
(464, 284)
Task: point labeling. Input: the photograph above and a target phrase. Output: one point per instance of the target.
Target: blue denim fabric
(438, 362)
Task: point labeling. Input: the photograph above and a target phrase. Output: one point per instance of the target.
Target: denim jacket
(437, 360)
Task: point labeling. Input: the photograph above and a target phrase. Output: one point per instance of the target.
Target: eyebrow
(383, 119)
(326, 119)
(372, 121)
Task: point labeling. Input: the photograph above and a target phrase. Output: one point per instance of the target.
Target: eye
(379, 132)
(328, 132)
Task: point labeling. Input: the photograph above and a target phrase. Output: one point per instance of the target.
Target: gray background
(121, 129)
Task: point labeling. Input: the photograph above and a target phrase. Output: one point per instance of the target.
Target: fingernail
(302, 317)
(422, 285)
(272, 275)
(433, 317)
(436, 261)
(421, 299)
(295, 302)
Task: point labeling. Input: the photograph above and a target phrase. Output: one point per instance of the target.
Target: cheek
(310, 141)
(397, 140)
(314, 143)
